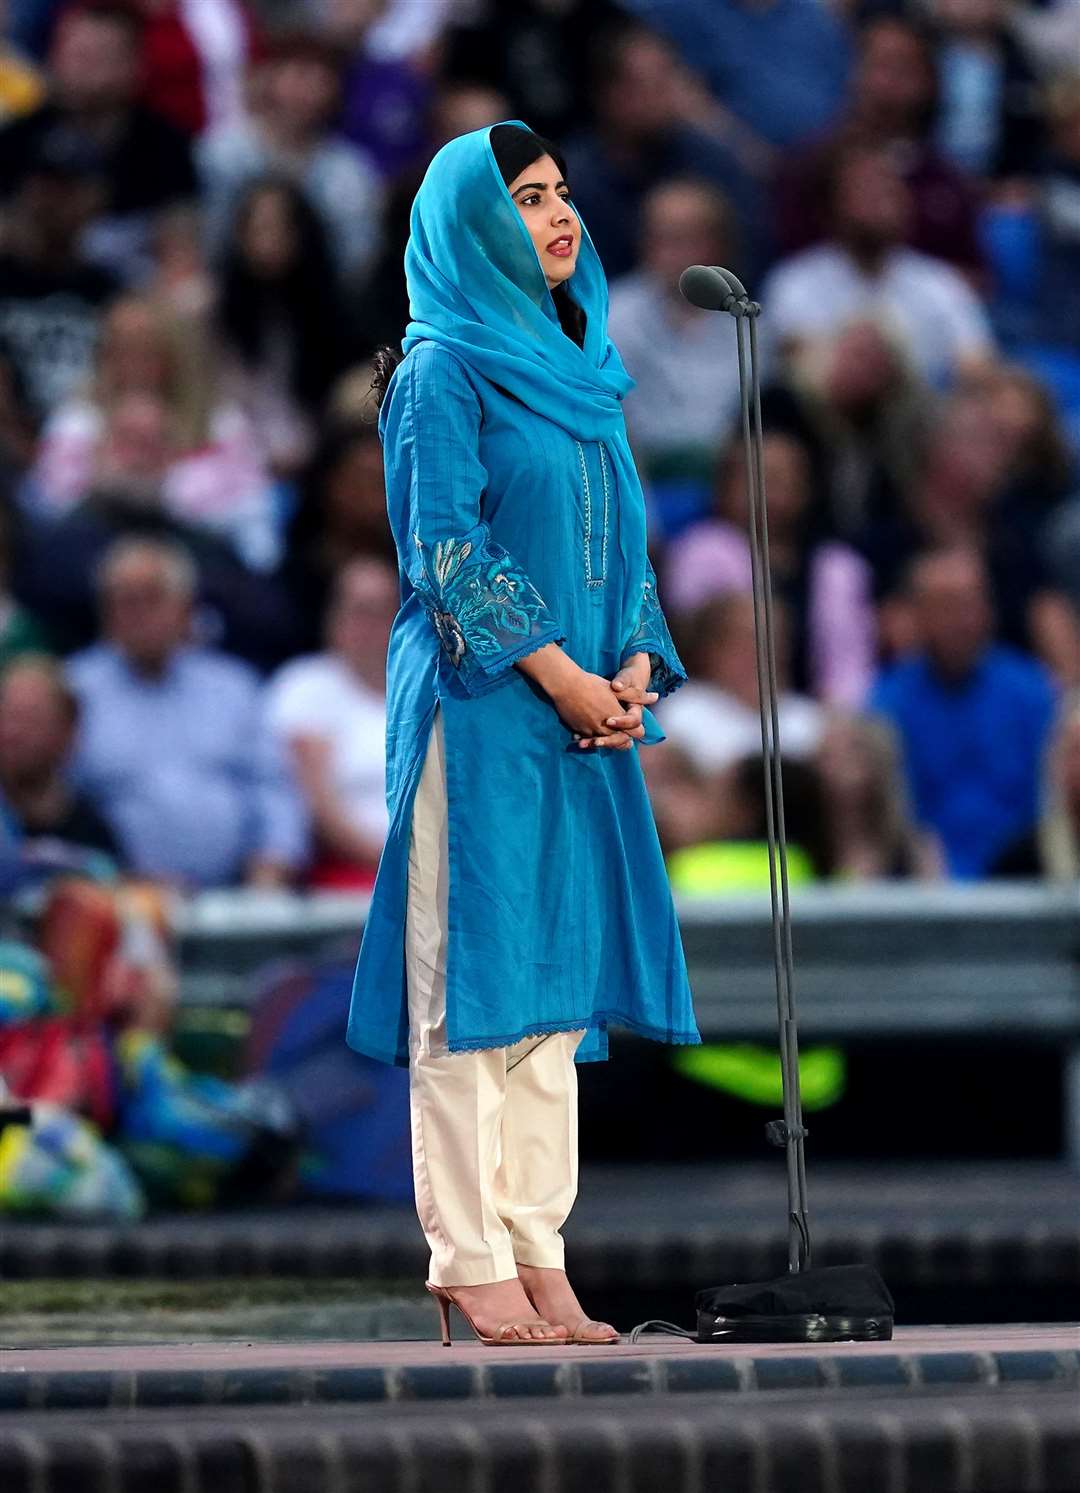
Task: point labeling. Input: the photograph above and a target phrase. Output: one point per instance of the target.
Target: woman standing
(521, 905)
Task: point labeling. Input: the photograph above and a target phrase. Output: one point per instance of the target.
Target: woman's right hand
(585, 703)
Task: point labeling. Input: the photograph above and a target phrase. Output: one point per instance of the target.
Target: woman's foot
(551, 1294)
(491, 1306)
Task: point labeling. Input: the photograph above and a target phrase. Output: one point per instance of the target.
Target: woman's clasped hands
(595, 720)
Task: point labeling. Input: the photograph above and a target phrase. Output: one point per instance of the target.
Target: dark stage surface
(981, 1410)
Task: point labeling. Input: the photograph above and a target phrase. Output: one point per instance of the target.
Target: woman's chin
(559, 276)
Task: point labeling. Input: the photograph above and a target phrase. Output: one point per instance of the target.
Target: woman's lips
(562, 247)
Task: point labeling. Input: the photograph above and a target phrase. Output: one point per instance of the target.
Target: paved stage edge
(369, 1374)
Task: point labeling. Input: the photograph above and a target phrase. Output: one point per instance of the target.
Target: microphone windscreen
(703, 287)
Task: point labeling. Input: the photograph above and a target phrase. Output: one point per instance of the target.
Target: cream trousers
(494, 1133)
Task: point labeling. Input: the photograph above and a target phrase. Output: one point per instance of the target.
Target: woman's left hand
(630, 688)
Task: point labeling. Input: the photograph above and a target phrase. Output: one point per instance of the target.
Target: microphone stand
(837, 1303)
(788, 1133)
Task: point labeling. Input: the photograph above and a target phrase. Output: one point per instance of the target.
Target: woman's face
(542, 198)
(134, 354)
(845, 760)
(786, 473)
(268, 237)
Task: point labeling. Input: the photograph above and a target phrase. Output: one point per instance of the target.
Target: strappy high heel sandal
(580, 1333)
(445, 1300)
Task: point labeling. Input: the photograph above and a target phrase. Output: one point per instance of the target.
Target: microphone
(715, 289)
(707, 287)
(737, 287)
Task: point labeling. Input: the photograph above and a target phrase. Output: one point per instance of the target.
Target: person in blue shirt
(973, 716)
(521, 904)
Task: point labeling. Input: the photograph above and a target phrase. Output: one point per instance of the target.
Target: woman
(283, 317)
(341, 516)
(328, 712)
(871, 832)
(1052, 849)
(826, 585)
(521, 905)
(212, 476)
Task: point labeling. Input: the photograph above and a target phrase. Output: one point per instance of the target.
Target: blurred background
(204, 207)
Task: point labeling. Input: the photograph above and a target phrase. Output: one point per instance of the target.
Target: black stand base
(810, 1327)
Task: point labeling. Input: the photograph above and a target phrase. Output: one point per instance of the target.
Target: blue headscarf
(476, 287)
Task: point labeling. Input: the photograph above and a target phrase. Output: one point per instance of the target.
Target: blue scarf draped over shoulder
(476, 287)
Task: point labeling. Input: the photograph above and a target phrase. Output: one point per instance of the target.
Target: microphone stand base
(809, 1327)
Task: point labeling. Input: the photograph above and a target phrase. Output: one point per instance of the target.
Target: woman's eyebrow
(537, 186)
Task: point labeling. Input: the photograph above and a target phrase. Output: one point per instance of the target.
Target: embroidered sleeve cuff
(653, 637)
(485, 610)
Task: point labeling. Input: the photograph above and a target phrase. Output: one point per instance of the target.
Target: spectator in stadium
(714, 717)
(682, 359)
(989, 123)
(826, 585)
(1042, 469)
(242, 611)
(181, 278)
(1047, 33)
(536, 52)
(453, 109)
(736, 857)
(973, 716)
(385, 99)
(959, 498)
(641, 138)
(864, 271)
(211, 472)
(51, 299)
(893, 107)
(1058, 213)
(283, 319)
(328, 710)
(778, 66)
(173, 746)
(18, 427)
(194, 58)
(20, 631)
(39, 715)
(21, 85)
(94, 63)
(1052, 850)
(341, 517)
(867, 816)
(686, 801)
(860, 409)
(289, 131)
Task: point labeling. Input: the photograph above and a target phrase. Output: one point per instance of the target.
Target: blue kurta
(512, 533)
(560, 911)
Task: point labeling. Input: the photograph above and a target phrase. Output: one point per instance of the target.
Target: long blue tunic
(513, 533)
(560, 911)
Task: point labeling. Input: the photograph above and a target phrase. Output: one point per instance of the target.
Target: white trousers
(494, 1133)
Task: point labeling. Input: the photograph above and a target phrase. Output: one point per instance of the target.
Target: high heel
(445, 1300)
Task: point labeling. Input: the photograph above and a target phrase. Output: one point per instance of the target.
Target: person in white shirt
(865, 273)
(329, 712)
(714, 717)
(683, 359)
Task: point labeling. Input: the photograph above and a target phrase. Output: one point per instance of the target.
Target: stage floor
(312, 1372)
(987, 1409)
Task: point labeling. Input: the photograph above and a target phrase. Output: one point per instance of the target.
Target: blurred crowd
(203, 208)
